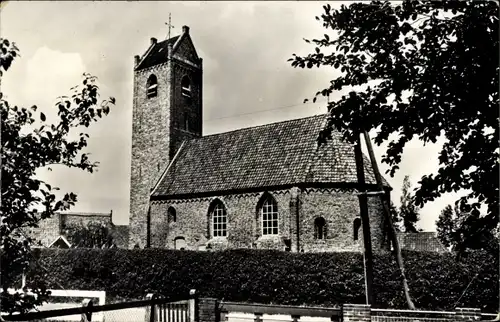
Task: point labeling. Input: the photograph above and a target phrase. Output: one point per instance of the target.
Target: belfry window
(186, 87)
(269, 215)
(152, 86)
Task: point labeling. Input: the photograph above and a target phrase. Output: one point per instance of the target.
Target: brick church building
(268, 186)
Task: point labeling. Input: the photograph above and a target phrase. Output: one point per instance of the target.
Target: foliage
(30, 143)
(408, 211)
(261, 276)
(426, 70)
(396, 218)
(92, 235)
(453, 226)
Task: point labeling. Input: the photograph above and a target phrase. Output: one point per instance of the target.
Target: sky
(247, 80)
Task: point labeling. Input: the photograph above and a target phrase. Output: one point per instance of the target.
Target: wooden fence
(154, 309)
(190, 308)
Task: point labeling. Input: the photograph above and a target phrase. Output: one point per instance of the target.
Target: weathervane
(169, 24)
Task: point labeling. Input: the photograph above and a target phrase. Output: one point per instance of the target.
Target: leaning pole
(365, 222)
(387, 215)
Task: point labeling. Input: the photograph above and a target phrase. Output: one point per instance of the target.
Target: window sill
(268, 237)
(218, 240)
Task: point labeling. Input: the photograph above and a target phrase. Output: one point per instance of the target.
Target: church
(263, 187)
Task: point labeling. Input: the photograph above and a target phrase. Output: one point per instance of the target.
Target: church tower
(167, 110)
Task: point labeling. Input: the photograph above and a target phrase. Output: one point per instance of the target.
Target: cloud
(42, 78)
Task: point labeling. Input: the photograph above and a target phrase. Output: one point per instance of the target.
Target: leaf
(42, 117)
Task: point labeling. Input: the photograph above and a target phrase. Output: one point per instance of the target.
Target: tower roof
(157, 54)
(271, 155)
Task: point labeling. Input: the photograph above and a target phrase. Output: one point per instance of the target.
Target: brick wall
(51, 228)
(211, 310)
(356, 313)
(339, 209)
(150, 142)
(158, 130)
(76, 219)
(193, 221)
(208, 310)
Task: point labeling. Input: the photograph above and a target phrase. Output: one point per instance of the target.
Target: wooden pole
(365, 221)
(388, 218)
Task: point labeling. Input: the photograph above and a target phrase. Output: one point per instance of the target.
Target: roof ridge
(84, 213)
(262, 125)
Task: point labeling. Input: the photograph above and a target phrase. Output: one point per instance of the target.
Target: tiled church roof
(271, 155)
(158, 53)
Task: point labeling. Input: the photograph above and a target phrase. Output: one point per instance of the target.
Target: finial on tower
(169, 24)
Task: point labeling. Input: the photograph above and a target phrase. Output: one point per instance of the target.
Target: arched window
(356, 225)
(320, 228)
(218, 219)
(171, 215)
(269, 215)
(186, 86)
(152, 86)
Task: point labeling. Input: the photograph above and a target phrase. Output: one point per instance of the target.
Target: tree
(92, 235)
(408, 211)
(446, 226)
(427, 70)
(396, 218)
(419, 69)
(453, 226)
(30, 142)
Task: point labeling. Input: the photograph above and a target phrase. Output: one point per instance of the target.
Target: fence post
(23, 280)
(467, 314)
(356, 313)
(150, 309)
(86, 316)
(193, 309)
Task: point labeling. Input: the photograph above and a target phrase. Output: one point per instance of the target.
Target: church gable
(185, 49)
(157, 53)
(182, 48)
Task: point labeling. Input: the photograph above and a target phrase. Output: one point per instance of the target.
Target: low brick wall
(212, 310)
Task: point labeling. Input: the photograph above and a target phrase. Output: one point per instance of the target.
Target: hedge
(436, 281)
